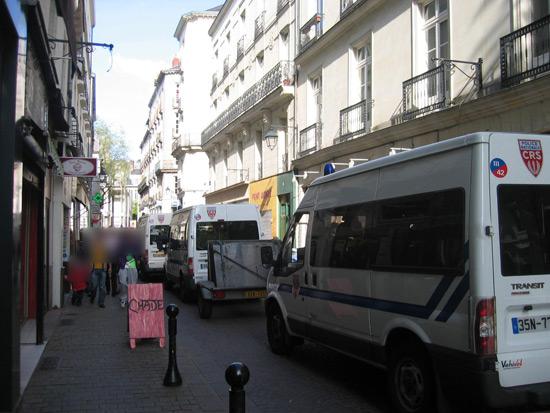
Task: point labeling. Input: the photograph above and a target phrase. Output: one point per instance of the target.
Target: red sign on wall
(146, 312)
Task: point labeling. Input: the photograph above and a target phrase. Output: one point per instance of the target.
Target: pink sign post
(146, 312)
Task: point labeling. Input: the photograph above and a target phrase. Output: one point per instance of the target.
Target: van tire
(185, 294)
(278, 337)
(204, 306)
(411, 379)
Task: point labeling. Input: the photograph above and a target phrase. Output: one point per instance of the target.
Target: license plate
(530, 324)
(255, 294)
(158, 254)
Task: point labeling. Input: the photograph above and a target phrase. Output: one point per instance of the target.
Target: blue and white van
(433, 264)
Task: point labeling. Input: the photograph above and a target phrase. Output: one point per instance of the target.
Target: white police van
(433, 263)
(154, 231)
(190, 231)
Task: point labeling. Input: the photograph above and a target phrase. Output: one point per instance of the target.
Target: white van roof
(427, 150)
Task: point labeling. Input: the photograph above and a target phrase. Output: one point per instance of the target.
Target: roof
(224, 8)
(187, 17)
(423, 151)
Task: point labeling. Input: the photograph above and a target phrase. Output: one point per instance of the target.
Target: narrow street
(88, 366)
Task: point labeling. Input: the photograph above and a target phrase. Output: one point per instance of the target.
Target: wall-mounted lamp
(270, 137)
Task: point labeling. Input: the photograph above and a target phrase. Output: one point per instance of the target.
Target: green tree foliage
(113, 153)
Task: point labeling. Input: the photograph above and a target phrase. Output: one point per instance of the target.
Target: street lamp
(270, 137)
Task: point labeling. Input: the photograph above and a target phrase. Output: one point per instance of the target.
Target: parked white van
(155, 232)
(433, 263)
(191, 230)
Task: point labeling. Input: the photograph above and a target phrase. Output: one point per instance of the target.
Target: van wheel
(204, 305)
(411, 380)
(277, 334)
(185, 295)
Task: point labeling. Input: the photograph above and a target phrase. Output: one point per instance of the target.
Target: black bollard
(172, 376)
(237, 375)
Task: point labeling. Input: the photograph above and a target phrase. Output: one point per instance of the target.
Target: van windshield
(230, 230)
(159, 234)
(524, 228)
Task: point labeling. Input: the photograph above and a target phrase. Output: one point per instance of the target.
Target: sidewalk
(88, 366)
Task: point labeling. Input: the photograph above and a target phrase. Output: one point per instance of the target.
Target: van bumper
(472, 380)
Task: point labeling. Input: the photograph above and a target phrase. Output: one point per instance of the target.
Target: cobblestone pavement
(88, 366)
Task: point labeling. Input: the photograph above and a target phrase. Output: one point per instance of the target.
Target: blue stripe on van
(414, 310)
(455, 299)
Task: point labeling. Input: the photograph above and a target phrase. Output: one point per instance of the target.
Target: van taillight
(190, 266)
(485, 327)
(145, 255)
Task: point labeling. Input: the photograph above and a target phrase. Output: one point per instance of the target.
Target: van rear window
(225, 230)
(524, 229)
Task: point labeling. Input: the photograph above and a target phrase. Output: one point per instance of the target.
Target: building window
(260, 59)
(363, 61)
(315, 101)
(436, 31)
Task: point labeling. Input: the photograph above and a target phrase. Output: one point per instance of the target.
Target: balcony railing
(143, 185)
(281, 4)
(281, 75)
(310, 31)
(214, 83)
(525, 53)
(225, 67)
(354, 120)
(240, 49)
(426, 92)
(259, 25)
(347, 6)
(165, 166)
(235, 176)
(182, 143)
(309, 139)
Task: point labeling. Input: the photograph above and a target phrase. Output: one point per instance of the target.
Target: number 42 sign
(499, 168)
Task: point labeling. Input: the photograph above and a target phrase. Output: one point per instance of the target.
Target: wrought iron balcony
(347, 6)
(280, 75)
(354, 120)
(165, 166)
(225, 67)
(525, 53)
(235, 176)
(311, 31)
(426, 92)
(240, 49)
(310, 138)
(214, 83)
(259, 25)
(281, 4)
(143, 185)
(181, 144)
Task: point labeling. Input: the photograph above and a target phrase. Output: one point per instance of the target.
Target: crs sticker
(499, 168)
(531, 153)
(198, 217)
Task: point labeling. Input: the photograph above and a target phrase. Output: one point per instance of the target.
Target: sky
(142, 32)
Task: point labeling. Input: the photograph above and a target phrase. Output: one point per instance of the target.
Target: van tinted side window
(422, 233)
(339, 237)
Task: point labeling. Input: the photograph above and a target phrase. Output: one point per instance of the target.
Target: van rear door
(520, 210)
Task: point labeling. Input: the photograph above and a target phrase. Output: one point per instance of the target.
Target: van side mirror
(266, 254)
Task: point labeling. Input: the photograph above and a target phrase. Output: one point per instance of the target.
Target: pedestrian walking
(99, 274)
(127, 275)
(79, 273)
